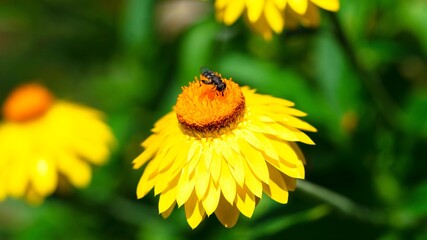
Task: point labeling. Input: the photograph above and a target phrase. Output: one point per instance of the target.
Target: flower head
(43, 139)
(219, 152)
(268, 16)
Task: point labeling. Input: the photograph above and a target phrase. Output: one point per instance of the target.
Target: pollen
(27, 102)
(201, 108)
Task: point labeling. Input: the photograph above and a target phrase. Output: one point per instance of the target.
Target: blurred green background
(361, 76)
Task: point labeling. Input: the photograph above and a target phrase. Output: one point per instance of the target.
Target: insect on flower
(219, 155)
(213, 78)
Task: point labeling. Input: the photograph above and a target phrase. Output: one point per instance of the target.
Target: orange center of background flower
(27, 102)
(202, 108)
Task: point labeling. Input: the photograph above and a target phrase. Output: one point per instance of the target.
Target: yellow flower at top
(43, 139)
(268, 16)
(221, 149)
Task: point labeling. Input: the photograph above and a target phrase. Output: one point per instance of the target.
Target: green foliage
(361, 77)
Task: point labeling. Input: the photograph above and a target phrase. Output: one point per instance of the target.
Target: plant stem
(342, 204)
(276, 225)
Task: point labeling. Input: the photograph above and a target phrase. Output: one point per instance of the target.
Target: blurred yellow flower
(268, 16)
(43, 139)
(218, 152)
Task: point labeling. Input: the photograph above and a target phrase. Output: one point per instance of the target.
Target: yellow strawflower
(43, 139)
(218, 151)
(268, 16)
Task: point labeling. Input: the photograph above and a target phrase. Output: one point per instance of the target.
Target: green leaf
(338, 84)
(412, 15)
(414, 118)
(197, 50)
(416, 206)
(137, 24)
(283, 82)
(413, 209)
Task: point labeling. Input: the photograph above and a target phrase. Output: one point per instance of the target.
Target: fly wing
(204, 69)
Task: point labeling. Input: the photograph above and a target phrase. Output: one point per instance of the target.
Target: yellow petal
(276, 189)
(245, 201)
(298, 151)
(166, 123)
(266, 146)
(261, 27)
(255, 160)
(219, 15)
(168, 156)
(252, 182)
(211, 199)
(311, 18)
(331, 5)
(235, 163)
(194, 156)
(237, 170)
(178, 163)
(2, 190)
(254, 8)
(272, 129)
(162, 181)
(291, 183)
(181, 159)
(291, 134)
(2, 178)
(299, 6)
(77, 171)
(215, 168)
(274, 17)
(185, 187)
(302, 137)
(17, 178)
(281, 4)
(150, 141)
(292, 171)
(194, 149)
(289, 162)
(297, 123)
(226, 213)
(262, 101)
(144, 157)
(224, 148)
(220, 4)
(286, 152)
(250, 138)
(201, 178)
(94, 153)
(301, 171)
(167, 199)
(227, 183)
(146, 183)
(295, 112)
(233, 11)
(194, 211)
(44, 178)
(230, 140)
(33, 197)
(168, 212)
(207, 153)
(92, 132)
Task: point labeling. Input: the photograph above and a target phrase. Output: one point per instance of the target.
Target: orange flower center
(27, 102)
(202, 108)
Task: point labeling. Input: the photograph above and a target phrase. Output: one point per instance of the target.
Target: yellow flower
(268, 16)
(218, 152)
(43, 139)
